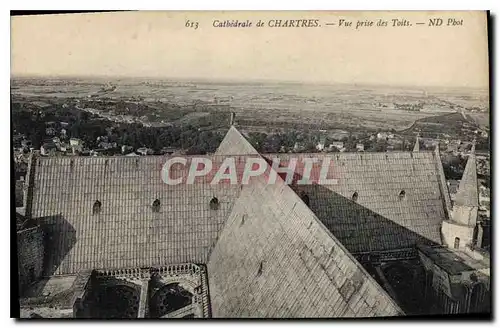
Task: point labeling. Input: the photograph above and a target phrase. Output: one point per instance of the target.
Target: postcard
(251, 164)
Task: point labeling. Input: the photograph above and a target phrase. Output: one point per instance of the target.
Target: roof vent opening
(96, 209)
(259, 272)
(355, 196)
(402, 194)
(156, 206)
(214, 204)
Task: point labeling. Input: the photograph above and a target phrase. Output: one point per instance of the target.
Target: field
(285, 105)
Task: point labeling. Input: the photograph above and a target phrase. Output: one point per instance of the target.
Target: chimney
(233, 116)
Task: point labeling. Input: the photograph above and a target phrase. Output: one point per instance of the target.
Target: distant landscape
(96, 117)
(285, 105)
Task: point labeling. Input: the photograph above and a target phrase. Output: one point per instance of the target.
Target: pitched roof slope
(381, 201)
(274, 258)
(417, 145)
(467, 194)
(126, 232)
(234, 143)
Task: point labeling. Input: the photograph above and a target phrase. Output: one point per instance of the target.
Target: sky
(159, 45)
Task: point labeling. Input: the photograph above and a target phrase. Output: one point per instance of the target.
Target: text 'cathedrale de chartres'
(269, 23)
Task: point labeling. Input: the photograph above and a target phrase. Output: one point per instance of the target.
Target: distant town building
(48, 149)
(127, 149)
(75, 142)
(107, 145)
(384, 135)
(336, 144)
(321, 145)
(169, 150)
(144, 151)
(298, 146)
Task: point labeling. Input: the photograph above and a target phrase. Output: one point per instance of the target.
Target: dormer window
(355, 196)
(96, 209)
(156, 206)
(214, 204)
(402, 194)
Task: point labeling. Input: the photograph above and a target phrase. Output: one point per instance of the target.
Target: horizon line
(245, 81)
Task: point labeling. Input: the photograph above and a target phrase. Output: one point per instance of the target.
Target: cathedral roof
(275, 258)
(467, 194)
(126, 232)
(268, 251)
(380, 201)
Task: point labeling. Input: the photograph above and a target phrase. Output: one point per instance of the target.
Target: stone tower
(459, 231)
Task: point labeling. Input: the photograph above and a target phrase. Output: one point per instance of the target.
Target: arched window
(355, 196)
(96, 209)
(457, 243)
(214, 204)
(156, 206)
(402, 194)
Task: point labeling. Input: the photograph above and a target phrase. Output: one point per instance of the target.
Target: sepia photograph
(251, 164)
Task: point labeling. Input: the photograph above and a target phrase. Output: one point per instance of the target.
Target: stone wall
(30, 253)
(274, 258)
(465, 215)
(452, 230)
